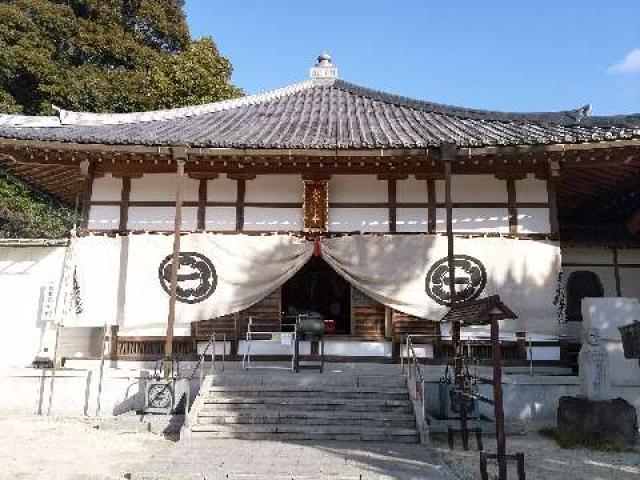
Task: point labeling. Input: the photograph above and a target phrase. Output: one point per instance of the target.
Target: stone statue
(594, 377)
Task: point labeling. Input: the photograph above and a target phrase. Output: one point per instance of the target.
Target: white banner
(126, 280)
(409, 273)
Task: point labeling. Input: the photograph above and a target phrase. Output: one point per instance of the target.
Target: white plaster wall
(25, 276)
(274, 188)
(222, 189)
(411, 191)
(161, 218)
(531, 190)
(474, 188)
(220, 218)
(474, 220)
(629, 256)
(106, 189)
(411, 220)
(357, 349)
(587, 255)
(272, 219)
(162, 187)
(630, 282)
(104, 217)
(357, 188)
(533, 220)
(358, 219)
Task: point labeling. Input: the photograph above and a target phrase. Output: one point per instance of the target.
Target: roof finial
(324, 68)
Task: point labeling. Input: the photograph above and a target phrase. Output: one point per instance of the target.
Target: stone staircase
(303, 407)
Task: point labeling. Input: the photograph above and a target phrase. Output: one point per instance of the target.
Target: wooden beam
(512, 205)
(125, 194)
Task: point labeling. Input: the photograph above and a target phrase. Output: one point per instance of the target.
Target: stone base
(611, 420)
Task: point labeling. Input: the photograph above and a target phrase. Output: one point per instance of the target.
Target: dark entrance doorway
(581, 284)
(316, 287)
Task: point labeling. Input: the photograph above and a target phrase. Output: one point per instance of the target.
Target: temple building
(322, 196)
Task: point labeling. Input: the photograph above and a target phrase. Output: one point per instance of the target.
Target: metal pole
(104, 341)
(497, 397)
(168, 347)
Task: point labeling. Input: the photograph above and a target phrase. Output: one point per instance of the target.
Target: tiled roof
(322, 113)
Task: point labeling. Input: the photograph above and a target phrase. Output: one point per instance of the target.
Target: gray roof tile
(326, 114)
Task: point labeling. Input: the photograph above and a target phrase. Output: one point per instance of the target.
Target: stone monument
(594, 415)
(594, 373)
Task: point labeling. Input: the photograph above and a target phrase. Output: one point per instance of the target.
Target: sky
(513, 55)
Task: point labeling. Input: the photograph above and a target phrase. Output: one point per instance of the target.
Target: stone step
(289, 407)
(405, 421)
(302, 389)
(310, 436)
(307, 394)
(312, 402)
(361, 430)
(307, 379)
(306, 413)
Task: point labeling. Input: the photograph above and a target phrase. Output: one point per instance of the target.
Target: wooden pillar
(125, 194)
(202, 204)
(392, 197)
(552, 183)
(240, 194)
(86, 170)
(180, 156)
(431, 205)
(512, 206)
(616, 271)
(497, 397)
(448, 152)
(113, 342)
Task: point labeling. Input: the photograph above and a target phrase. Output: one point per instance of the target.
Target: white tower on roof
(324, 68)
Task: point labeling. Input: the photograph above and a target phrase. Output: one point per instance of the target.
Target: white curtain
(393, 270)
(126, 280)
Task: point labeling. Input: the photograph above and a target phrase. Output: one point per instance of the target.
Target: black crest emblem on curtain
(470, 279)
(197, 278)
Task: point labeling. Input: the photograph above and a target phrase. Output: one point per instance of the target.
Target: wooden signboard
(316, 206)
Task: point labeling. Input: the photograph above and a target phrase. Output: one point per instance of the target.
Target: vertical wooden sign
(316, 206)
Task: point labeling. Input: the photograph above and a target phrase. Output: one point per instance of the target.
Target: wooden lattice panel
(265, 314)
(368, 316)
(404, 324)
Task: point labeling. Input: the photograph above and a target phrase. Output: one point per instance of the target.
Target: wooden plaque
(316, 206)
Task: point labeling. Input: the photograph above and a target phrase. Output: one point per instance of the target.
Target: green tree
(103, 56)
(27, 213)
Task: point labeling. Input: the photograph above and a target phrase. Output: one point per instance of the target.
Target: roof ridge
(74, 118)
(562, 117)
(68, 117)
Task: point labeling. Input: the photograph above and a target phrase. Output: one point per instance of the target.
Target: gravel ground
(63, 448)
(544, 460)
(72, 448)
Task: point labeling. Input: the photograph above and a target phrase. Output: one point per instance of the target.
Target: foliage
(598, 443)
(99, 56)
(26, 213)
